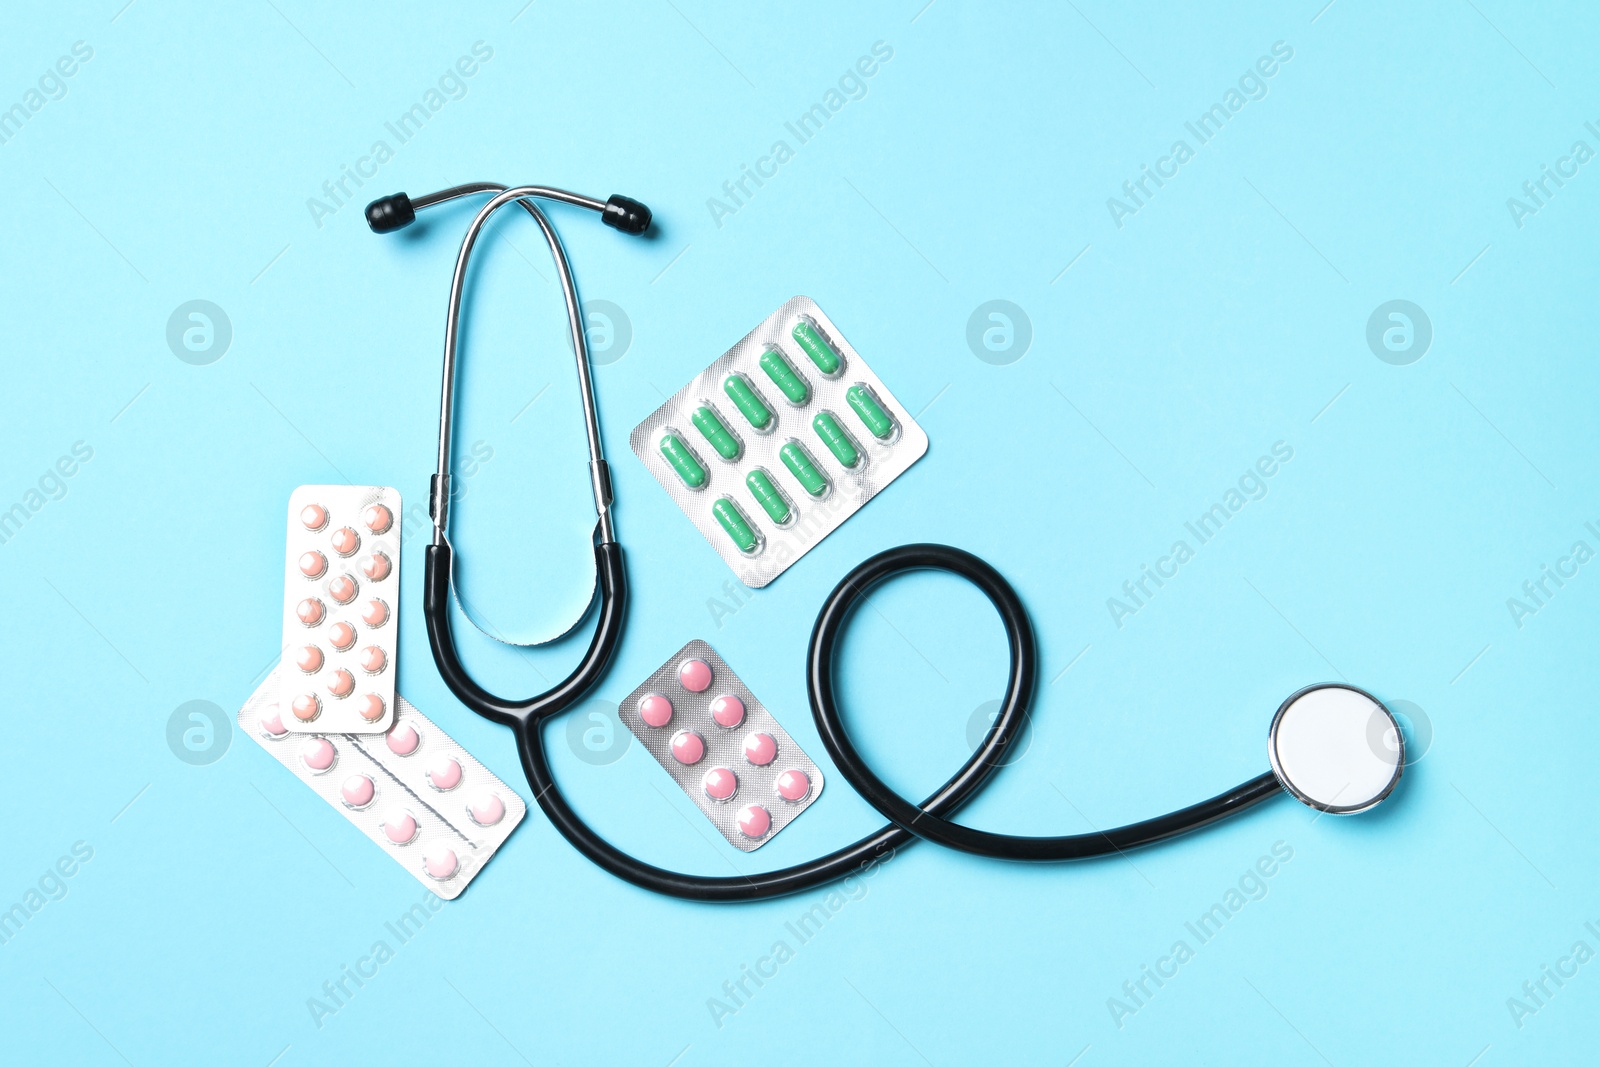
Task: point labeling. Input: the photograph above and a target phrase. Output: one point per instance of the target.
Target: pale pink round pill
(313, 564)
(400, 827)
(318, 754)
(728, 711)
(655, 710)
(376, 566)
(688, 747)
(345, 541)
(375, 614)
(694, 675)
(760, 749)
(486, 808)
(403, 739)
(754, 821)
(309, 659)
(306, 707)
(342, 589)
(720, 783)
(342, 684)
(341, 635)
(373, 661)
(313, 516)
(444, 774)
(794, 786)
(272, 722)
(370, 707)
(310, 611)
(441, 864)
(378, 518)
(358, 791)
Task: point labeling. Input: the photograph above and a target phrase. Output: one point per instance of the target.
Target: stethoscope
(1334, 747)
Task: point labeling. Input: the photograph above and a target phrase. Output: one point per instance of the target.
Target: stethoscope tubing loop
(925, 821)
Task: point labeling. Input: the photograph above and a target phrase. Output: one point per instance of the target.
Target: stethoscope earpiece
(390, 213)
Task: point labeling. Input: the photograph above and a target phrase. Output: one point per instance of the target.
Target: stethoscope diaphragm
(1336, 748)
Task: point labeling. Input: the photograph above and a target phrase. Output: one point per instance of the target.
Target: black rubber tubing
(908, 821)
(928, 825)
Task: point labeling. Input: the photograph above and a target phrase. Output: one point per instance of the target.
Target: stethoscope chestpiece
(1336, 748)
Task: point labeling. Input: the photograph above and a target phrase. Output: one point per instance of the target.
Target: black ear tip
(626, 214)
(390, 213)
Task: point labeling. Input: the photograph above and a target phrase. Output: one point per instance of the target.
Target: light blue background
(1228, 314)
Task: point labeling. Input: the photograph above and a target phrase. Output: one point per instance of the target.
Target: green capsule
(834, 436)
(769, 496)
(757, 414)
(879, 423)
(733, 522)
(682, 460)
(810, 339)
(781, 371)
(715, 431)
(804, 469)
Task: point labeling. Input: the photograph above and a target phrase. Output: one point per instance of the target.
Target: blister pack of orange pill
(341, 594)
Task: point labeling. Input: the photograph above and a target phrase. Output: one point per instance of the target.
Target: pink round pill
(760, 749)
(688, 747)
(400, 827)
(375, 614)
(720, 783)
(373, 661)
(486, 808)
(342, 589)
(376, 566)
(441, 864)
(403, 739)
(655, 710)
(694, 675)
(754, 821)
(306, 707)
(728, 711)
(342, 684)
(358, 791)
(318, 754)
(313, 564)
(378, 518)
(794, 786)
(345, 541)
(309, 659)
(272, 722)
(310, 611)
(313, 516)
(341, 635)
(371, 707)
(444, 774)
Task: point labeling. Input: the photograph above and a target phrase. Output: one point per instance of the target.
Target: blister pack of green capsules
(772, 447)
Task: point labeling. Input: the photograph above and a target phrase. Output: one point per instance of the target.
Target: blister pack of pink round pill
(341, 595)
(722, 746)
(420, 796)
